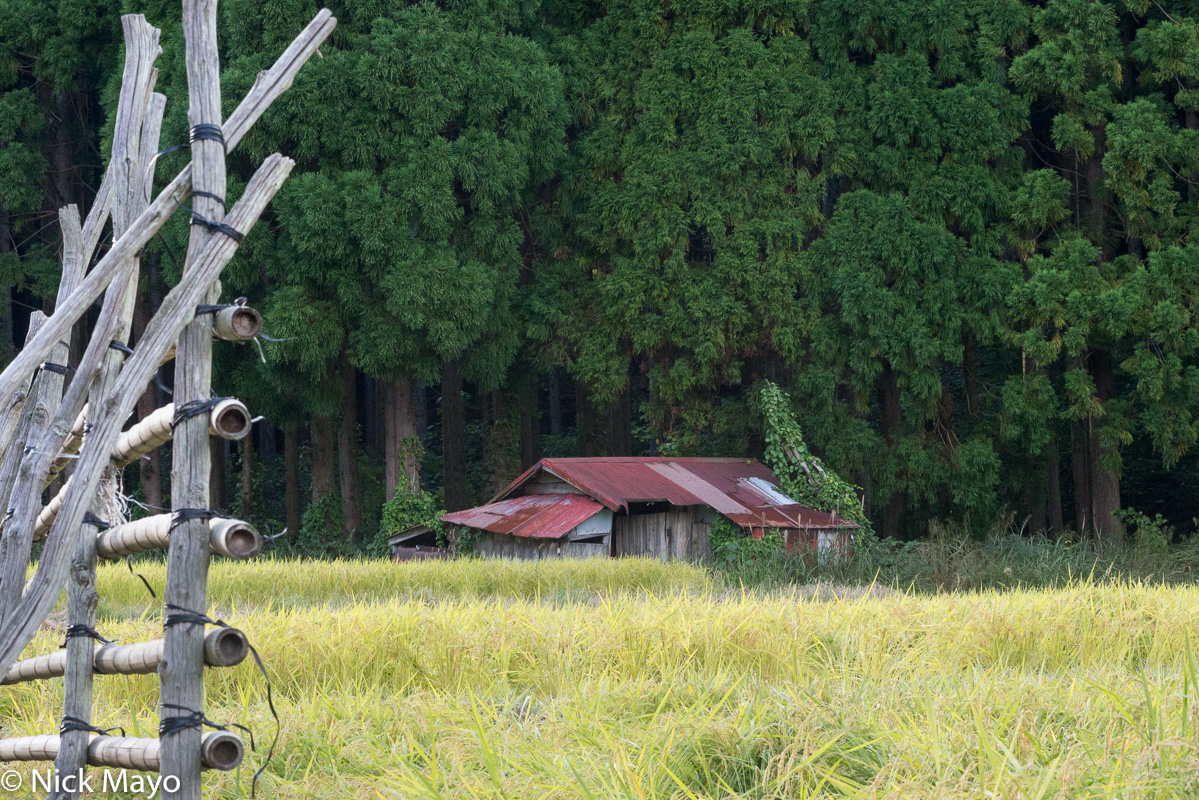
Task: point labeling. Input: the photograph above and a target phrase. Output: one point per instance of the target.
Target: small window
(769, 491)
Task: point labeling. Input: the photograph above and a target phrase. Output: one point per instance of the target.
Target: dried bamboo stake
(181, 674)
(70, 447)
(20, 626)
(230, 538)
(218, 750)
(223, 647)
(137, 127)
(230, 419)
(267, 86)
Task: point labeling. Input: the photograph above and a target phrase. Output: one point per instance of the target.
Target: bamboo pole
(219, 750)
(181, 675)
(69, 447)
(230, 419)
(230, 538)
(223, 647)
(135, 137)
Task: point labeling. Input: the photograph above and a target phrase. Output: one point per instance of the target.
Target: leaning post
(182, 670)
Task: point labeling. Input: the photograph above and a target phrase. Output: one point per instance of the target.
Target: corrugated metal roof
(541, 516)
(720, 483)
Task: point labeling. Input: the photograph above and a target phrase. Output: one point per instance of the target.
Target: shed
(655, 506)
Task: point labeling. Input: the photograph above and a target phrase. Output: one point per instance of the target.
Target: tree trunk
(554, 390)
(291, 471)
(530, 421)
(1105, 484)
(620, 431)
(1055, 489)
(370, 420)
(150, 466)
(1080, 446)
(347, 453)
(587, 442)
(401, 444)
(453, 437)
(502, 445)
(324, 478)
(890, 419)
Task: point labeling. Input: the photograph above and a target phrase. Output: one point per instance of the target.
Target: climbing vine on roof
(803, 476)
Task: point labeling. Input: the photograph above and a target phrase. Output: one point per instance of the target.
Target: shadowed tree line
(958, 236)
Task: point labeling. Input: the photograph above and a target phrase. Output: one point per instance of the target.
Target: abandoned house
(653, 506)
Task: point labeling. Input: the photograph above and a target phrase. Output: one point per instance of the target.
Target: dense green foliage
(942, 250)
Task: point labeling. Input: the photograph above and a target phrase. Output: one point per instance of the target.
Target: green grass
(634, 679)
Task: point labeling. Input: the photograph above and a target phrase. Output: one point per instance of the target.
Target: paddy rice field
(637, 679)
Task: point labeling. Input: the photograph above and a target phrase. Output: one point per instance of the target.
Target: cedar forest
(957, 235)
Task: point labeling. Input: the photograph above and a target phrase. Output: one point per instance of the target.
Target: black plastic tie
(206, 131)
(120, 347)
(70, 723)
(81, 631)
(195, 408)
(183, 515)
(61, 369)
(91, 519)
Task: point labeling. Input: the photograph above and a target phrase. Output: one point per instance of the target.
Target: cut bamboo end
(230, 538)
(230, 420)
(223, 647)
(236, 324)
(219, 750)
(222, 751)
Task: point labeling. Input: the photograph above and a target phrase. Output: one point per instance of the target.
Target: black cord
(80, 631)
(194, 408)
(61, 369)
(183, 515)
(91, 519)
(206, 131)
(70, 723)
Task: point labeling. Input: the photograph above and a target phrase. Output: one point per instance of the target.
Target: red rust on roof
(720, 483)
(541, 516)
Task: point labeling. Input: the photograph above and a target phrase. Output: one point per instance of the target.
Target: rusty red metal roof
(724, 484)
(541, 516)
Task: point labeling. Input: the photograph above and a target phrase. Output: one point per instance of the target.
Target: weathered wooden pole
(181, 674)
(136, 133)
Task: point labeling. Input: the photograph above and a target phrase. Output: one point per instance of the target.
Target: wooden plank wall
(499, 545)
(679, 533)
